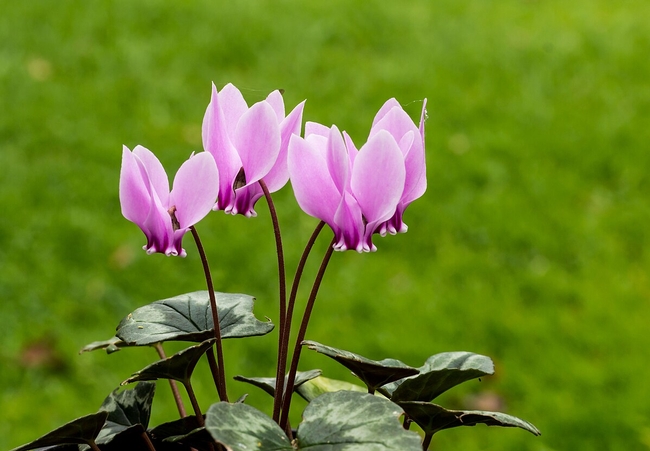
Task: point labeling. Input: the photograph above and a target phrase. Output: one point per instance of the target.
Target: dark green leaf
(439, 373)
(320, 385)
(178, 367)
(199, 439)
(83, 430)
(176, 428)
(373, 373)
(268, 383)
(188, 317)
(128, 411)
(242, 427)
(112, 345)
(352, 421)
(433, 418)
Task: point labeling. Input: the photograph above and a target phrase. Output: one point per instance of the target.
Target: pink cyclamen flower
(248, 145)
(354, 192)
(360, 192)
(166, 216)
(393, 119)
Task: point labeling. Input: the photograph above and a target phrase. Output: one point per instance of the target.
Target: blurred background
(530, 246)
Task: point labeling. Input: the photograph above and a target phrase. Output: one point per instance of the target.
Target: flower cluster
(357, 191)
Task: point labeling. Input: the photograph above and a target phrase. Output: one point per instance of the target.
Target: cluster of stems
(284, 382)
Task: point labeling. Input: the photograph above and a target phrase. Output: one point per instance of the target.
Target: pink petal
(233, 105)
(155, 172)
(378, 178)
(423, 118)
(352, 149)
(312, 185)
(338, 161)
(195, 190)
(314, 128)
(277, 103)
(385, 108)
(291, 125)
(257, 139)
(218, 143)
(135, 197)
(349, 233)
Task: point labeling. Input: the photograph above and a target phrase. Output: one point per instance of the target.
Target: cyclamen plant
(251, 152)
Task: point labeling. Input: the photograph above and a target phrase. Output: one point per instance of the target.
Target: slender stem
(93, 446)
(223, 396)
(214, 369)
(195, 404)
(279, 379)
(286, 402)
(172, 383)
(426, 442)
(284, 344)
(147, 441)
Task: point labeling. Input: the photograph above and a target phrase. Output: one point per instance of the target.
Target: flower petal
(385, 108)
(217, 141)
(135, 197)
(233, 105)
(155, 172)
(257, 139)
(277, 103)
(312, 184)
(338, 161)
(377, 179)
(195, 190)
(278, 176)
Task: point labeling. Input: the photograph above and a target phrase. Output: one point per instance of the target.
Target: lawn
(530, 246)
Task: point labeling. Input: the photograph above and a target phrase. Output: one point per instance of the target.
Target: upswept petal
(352, 149)
(233, 105)
(385, 108)
(195, 189)
(217, 142)
(257, 139)
(338, 161)
(423, 118)
(135, 197)
(277, 103)
(278, 176)
(377, 180)
(314, 128)
(312, 184)
(155, 172)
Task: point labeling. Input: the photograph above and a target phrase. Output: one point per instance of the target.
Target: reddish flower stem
(283, 350)
(172, 383)
(221, 385)
(286, 402)
(282, 279)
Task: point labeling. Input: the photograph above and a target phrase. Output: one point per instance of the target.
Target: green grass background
(531, 244)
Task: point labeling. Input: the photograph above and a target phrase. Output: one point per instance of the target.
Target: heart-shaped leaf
(111, 345)
(433, 418)
(268, 383)
(372, 372)
(352, 421)
(242, 427)
(128, 411)
(188, 317)
(341, 421)
(176, 428)
(83, 430)
(438, 374)
(178, 367)
(320, 385)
